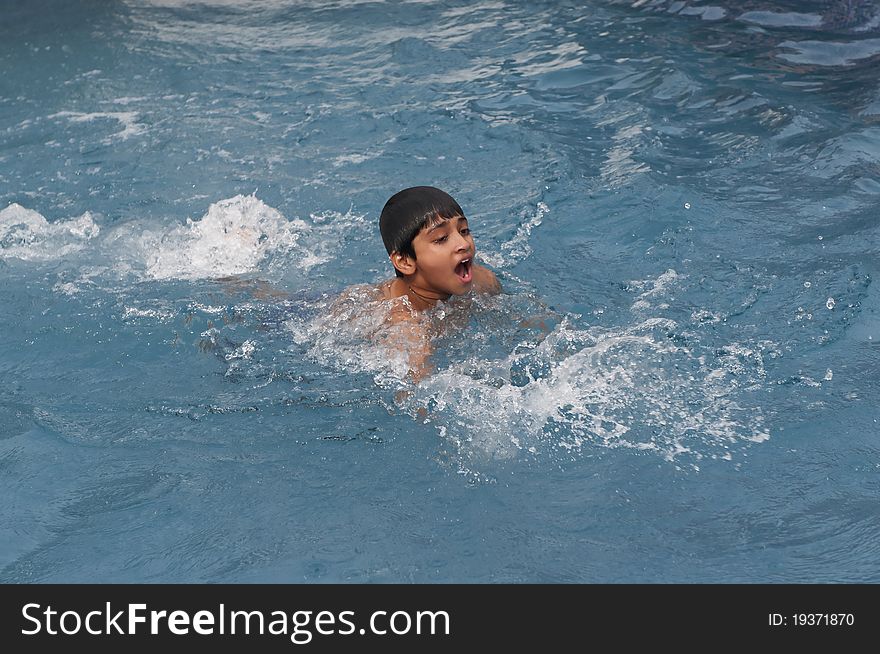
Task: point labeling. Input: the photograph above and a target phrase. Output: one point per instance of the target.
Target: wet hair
(407, 212)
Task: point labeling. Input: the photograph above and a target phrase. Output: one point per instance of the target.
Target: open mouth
(463, 270)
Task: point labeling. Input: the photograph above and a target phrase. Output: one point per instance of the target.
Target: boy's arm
(409, 336)
(256, 288)
(541, 318)
(485, 280)
(419, 351)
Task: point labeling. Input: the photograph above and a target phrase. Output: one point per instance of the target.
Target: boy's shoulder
(359, 293)
(485, 280)
(394, 305)
(399, 308)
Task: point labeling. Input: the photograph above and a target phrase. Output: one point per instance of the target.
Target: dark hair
(407, 212)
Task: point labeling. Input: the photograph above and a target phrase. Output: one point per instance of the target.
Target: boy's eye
(465, 231)
(441, 239)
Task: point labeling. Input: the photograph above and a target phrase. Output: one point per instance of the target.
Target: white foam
(25, 234)
(244, 351)
(67, 288)
(235, 236)
(622, 389)
(130, 99)
(128, 120)
(577, 389)
(161, 315)
(353, 158)
(652, 289)
(232, 238)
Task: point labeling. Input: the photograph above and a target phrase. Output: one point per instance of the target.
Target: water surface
(686, 192)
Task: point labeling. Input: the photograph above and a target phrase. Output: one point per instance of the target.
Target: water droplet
(807, 284)
(830, 303)
(828, 375)
(687, 205)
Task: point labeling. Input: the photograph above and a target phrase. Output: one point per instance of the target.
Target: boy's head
(410, 211)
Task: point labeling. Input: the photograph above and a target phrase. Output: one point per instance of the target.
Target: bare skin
(257, 288)
(443, 266)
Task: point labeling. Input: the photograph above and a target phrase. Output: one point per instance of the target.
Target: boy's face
(444, 257)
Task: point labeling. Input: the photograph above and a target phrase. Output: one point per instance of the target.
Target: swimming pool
(690, 190)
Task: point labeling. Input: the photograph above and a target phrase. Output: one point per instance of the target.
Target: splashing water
(236, 236)
(232, 238)
(594, 387)
(27, 235)
(498, 393)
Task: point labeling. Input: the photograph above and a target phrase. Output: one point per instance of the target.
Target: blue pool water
(687, 192)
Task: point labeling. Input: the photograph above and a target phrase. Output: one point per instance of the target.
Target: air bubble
(830, 303)
(687, 205)
(807, 284)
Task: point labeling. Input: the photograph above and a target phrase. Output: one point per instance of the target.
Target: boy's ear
(403, 262)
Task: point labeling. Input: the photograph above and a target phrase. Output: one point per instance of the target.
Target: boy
(432, 250)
